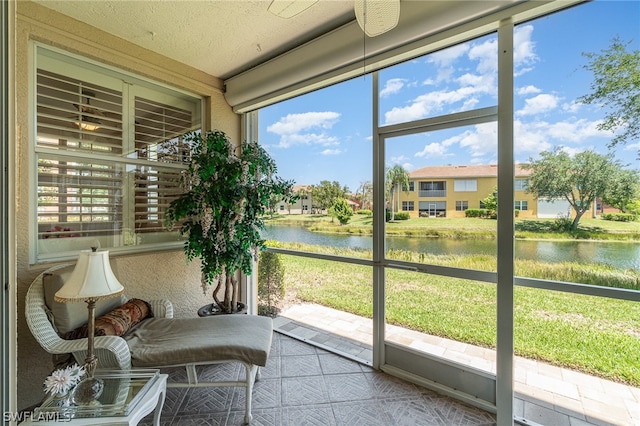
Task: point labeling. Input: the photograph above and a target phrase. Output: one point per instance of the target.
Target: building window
(109, 156)
(521, 184)
(412, 186)
(432, 208)
(465, 185)
(462, 206)
(482, 206)
(521, 205)
(433, 189)
(407, 206)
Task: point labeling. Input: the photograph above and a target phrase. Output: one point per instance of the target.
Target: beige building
(447, 191)
(303, 205)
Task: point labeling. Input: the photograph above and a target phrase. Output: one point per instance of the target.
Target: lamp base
(87, 391)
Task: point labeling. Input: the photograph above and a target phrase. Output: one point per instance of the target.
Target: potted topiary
(227, 191)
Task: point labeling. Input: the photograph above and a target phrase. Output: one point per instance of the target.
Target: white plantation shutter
(78, 198)
(106, 176)
(67, 108)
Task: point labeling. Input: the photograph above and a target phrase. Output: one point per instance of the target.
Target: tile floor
(305, 385)
(544, 394)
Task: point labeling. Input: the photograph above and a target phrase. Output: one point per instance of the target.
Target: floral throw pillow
(117, 322)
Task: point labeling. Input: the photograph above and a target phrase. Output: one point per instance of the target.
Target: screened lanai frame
(490, 392)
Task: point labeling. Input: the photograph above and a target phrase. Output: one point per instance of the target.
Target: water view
(623, 255)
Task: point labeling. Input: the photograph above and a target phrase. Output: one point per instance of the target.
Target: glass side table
(128, 396)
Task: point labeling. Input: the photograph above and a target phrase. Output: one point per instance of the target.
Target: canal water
(623, 255)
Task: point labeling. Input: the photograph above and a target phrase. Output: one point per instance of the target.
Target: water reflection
(623, 255)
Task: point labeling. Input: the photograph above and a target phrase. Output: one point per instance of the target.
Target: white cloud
(486, 54)
(295, 129)
(449, 55)
(393, 86)
(537, 136)
(434, 149)
(528, 90)
(307, 139)
(399, 159)
(428, 103)
(331, 152)
(523, 49)
(294, 123)
(479, 142)
(575, 131)
(444, 60)
(572, 107)
(571, 151)
(530, 138)
(539, 104)
(632, 147)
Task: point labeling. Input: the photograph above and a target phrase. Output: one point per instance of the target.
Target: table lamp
(92, 279)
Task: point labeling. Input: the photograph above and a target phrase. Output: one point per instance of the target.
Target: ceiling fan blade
(289, 8)
(376, 17)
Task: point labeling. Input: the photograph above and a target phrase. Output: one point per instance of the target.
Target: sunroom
(104, 90)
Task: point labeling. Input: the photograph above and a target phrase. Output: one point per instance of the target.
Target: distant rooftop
(484, 170)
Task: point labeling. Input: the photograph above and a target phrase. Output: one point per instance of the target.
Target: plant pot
(212, 309)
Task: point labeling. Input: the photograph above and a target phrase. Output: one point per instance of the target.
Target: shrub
(401, 216)
(563, 224)
(477, 213)
(365, 212)
(271, 288)
(341, 211)
(619, 217)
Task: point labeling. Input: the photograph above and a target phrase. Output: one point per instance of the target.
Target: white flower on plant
(63, 380)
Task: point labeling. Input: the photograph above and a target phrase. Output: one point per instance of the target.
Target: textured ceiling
(221, 38)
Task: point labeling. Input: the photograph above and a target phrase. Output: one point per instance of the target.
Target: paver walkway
(545, 394)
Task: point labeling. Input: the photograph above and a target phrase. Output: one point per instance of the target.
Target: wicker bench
(158, 342)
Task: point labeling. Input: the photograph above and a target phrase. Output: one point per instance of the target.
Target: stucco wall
(149, 275)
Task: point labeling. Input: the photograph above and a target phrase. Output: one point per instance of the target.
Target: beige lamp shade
(92, 278)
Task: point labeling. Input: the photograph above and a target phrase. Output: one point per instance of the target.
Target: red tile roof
(473, 171)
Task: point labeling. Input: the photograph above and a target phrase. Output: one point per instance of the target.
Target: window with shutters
(110, 151)
(465, 185)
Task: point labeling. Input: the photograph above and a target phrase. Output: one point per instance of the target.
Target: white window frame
(465, 185)
(522, 205)
(132, 86)
(521, 184)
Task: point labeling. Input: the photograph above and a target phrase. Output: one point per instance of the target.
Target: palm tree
(397, 178)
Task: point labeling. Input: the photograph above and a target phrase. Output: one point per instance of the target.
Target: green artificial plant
(227, 192)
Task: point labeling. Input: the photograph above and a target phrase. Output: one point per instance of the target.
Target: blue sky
(326, 135)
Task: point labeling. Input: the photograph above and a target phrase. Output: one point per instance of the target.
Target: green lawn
(596, 335)
(592, 334)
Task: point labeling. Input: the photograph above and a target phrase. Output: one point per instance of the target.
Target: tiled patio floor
(545, 394)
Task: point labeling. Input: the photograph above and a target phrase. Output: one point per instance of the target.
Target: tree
(397, 179)
(271, 287)
(272, 203)
(227, 191)
(491, 202)
(616, 86)
(366, 194)
(341, 210)
(578, 179)
(624, 189)
(326, 192)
